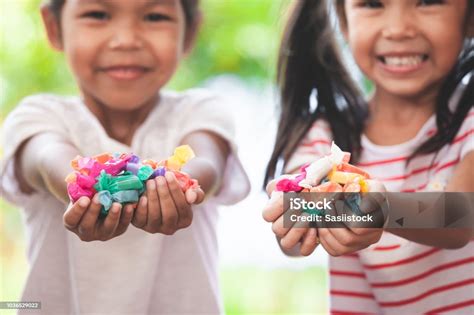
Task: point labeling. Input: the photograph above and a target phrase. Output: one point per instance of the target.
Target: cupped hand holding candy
(155, 196)
(329, 174)
(307, 237)
(165, 208)
(82, 218)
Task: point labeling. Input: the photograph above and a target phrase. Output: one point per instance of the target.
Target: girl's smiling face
(407, 47)
(121, 52)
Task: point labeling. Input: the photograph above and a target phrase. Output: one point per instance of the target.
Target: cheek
(79, 51)
(167, 49)
(447, 43)
(361, 46)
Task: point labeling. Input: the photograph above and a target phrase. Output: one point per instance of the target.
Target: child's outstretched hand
(165, 208)
(288, 237)
(349, 238)
(82, 218)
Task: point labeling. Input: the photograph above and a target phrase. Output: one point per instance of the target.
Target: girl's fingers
(199, 196)
(73, 215)
(310, 242)
(140, 214)
(345, 237)
(168, 208)
(324, 239)
(293, 237)
(348, 241)
(194, 196)
(125, 219)
(274, 208)
(191, 196)
(185, 214)
(281, 229)
(111, 221)
(271, 187)
(153, 221)
(339, 247)
(89, 220)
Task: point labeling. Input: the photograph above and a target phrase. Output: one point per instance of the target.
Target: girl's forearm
(53, 173)
(450, 238)
(45, 163)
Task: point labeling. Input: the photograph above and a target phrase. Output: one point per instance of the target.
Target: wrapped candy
(329, 174)
(121, 177)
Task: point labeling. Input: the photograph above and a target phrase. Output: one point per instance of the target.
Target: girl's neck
(394, 120)
(120, 125)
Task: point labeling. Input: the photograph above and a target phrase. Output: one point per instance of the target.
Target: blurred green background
(239, 37)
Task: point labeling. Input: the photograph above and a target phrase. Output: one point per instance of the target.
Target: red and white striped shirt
(397, 276)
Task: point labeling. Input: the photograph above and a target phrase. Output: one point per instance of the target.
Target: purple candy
(160, 171)
(134, 159)
(133, 168)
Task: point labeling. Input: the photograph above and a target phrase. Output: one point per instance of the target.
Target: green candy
(103, 181)
(125, 182)
(118, 183)
(105, 199)
(144, 172)
(126, 196)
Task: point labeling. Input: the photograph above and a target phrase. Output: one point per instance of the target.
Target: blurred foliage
(237, 36)
(277, 291)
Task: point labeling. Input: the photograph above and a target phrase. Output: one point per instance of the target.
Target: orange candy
(102, 158)
(327, 187)
(151, 163)
(352, 188)
(346, 167)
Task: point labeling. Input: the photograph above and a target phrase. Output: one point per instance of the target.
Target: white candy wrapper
(320, 168)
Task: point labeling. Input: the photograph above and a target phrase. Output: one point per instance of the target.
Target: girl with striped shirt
(414, 134)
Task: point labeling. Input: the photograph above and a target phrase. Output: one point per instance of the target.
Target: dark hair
(190, 7)
(310, 65)
(448, 122)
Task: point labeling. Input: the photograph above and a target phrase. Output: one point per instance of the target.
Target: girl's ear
(52, 27)
(191, 33)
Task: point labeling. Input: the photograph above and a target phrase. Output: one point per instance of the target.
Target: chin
(124, 102)
(404, 89)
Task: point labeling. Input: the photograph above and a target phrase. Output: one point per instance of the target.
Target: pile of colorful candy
(331, 174)
(121, 177)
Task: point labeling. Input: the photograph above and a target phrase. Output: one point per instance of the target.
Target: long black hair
(310, 65)
(449, 120)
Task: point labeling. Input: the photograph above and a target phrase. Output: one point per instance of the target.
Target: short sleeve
(466, 134)
(34, 115)
(315, 144)
(201, 110)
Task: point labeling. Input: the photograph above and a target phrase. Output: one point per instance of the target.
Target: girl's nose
(399, 26)
(125, 37)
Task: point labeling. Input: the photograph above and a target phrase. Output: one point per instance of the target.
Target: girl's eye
(430, 2)
(96, 15)
(371, 4)
(156, 17)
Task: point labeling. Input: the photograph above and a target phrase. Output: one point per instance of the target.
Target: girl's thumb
(191, 196)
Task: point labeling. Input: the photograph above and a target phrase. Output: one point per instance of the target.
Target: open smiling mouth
(403, 61)
(126, 72)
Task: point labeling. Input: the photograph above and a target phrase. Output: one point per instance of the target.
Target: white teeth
(403, 61)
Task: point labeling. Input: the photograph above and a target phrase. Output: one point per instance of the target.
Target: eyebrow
(149, 3)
